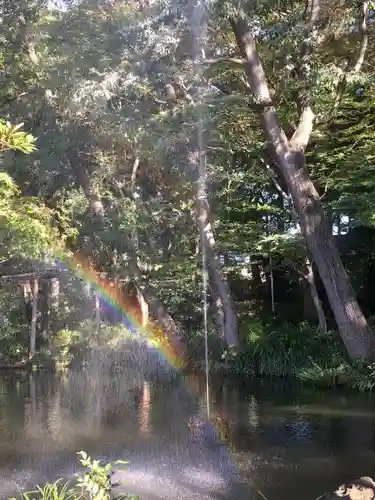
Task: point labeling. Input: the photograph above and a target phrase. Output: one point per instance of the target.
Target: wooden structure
(31, 284)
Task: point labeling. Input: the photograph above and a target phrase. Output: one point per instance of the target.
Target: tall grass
(284, 350)
(55, 491)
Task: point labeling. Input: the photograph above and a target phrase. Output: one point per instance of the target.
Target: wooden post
(55, 294)
(34, 315)
(45, 286)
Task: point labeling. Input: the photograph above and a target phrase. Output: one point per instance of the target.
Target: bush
(299, 351)
(284, 350)
(70, 347)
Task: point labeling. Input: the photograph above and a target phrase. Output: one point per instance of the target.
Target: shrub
(93, 484)
(284, 350)
(72, 346)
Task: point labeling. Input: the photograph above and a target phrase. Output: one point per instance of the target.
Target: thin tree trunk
(223, 291)
(272, 284)
(143, 308)
(290, 159)
(159, 312)
(218, 313)
(97, 314)
(308, 275)
(55, 295)
(34, 317)
(144, 410)
(256, 274)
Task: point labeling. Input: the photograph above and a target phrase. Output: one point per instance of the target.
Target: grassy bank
(268, 349)
(284, 350)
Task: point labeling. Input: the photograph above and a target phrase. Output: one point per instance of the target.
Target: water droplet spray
(199, 27)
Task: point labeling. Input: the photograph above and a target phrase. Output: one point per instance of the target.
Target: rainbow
(110, 291)
(82, 268)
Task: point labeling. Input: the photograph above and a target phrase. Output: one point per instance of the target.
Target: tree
(288, 157)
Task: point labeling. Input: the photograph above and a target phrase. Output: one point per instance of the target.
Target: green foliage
(276, 350)
(94, 484)
(284, 350)
(11, 137)
(358, 376)
(63, 346)
(69, 347)
(25, 219)
(54, 491)
(91, 86)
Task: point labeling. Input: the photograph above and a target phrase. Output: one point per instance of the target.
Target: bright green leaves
(12, 137)
(26, 225)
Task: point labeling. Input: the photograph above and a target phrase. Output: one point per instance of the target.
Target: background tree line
(127, 101)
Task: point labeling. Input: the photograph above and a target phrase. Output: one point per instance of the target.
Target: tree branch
(364, 37)
(302, 134)
(252, 63)
(259, 86)
(312, 10)
(231, 60)
(134, 172)
(357, 66)
(282, 192)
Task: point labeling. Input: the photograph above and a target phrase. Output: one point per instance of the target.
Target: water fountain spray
(199, 26)
(203, 193)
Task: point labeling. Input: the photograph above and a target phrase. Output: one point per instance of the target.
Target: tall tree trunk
(197, 20)
(289, 156)
(212, 261)
(34, 316)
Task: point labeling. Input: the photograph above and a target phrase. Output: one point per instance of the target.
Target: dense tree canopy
(132, 102)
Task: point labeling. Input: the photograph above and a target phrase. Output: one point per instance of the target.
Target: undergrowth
(298, 351)
(283, 350)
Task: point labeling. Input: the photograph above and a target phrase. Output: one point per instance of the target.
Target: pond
(286, 441)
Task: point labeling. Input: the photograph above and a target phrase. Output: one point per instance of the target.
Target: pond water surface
(286, 441)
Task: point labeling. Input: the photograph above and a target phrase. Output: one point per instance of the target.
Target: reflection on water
(285, 441)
